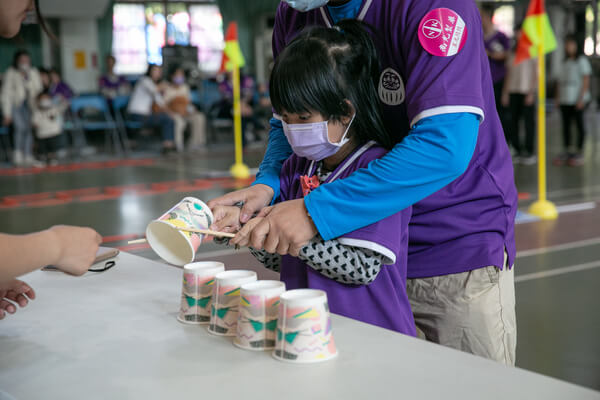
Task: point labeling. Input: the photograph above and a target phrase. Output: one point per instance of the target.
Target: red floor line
(93, 194)
(19, 171)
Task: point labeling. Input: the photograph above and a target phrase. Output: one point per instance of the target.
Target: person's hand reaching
(254, 199)
(77, 248)
(14, 293)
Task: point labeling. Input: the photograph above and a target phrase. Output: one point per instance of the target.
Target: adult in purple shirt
(112, 85)
(451, 164)
(59, 88)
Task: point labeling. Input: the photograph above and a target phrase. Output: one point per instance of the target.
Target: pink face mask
(312, 141)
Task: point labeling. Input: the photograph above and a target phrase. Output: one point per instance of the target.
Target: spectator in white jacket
(20, 87)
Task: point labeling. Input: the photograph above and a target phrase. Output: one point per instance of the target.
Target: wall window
(141, 30)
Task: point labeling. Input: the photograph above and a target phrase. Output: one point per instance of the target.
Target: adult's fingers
(259, 234)
(294, 250)
(283, 247)
(265, 211)
(228, 199)
(252, 205)
(242, 238)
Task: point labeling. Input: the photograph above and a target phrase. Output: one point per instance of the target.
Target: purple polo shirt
(384, 302)
(467, 224)
(496, 43)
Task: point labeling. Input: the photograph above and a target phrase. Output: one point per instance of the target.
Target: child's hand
(227, 218)
(252, 234)
(15, 291)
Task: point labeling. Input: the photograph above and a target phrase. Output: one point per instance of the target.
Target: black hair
(488, 9)
(174, 69)
(111, 57)
(322, 68)
(44, 92)
(18, 54)
(571, 37)
(150, 68)
(42, 21)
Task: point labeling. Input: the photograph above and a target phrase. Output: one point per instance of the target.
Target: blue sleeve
(437, 150)
(278, 150)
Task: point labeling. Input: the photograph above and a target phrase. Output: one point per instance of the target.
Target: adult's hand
(7, 121)
(14, 293)
(77, 248)
(284, 229)
(255, 198)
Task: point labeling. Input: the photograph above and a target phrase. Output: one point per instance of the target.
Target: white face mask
(306, 5)
(311, 140)
(46, 103)
(24, 67)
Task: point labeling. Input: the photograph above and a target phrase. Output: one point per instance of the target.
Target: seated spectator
(20, 87)
(111, 85)
(45, 78)
(58, 88)
(225, 106)
(48, 124)
(147, 106)
(178, 99)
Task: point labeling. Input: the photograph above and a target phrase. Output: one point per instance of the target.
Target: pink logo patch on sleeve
(442, 32)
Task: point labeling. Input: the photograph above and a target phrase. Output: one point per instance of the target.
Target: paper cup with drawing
(304, 327)
(173, 245)
(257, 321)
(226, 301)
(196, 293)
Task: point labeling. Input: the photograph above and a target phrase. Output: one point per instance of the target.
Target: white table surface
(114, 336)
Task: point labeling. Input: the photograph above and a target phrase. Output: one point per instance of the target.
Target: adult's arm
(72, 249)
(436, 152)
(278, 150)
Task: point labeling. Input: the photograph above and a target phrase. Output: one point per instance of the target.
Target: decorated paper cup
(257, 320)
(226, 301)
(175, 246)
(304, 327)
(196, 294)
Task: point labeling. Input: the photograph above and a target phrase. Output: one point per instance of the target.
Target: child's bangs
(301, 83)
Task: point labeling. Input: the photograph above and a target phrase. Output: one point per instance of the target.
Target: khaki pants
(472, 311)
(197, 122)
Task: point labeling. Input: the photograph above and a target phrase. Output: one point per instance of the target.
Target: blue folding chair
(5, 140)
(80, 106)
(119, 105)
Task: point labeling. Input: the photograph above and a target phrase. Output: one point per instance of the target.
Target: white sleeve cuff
(389, 256)
(447, 110)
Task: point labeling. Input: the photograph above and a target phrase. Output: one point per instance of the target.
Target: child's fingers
(225, 216)
(7, 306)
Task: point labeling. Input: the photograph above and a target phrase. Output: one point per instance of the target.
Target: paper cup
(196, 293)
(171, 244)
(304, 327)
(257, 320)
(226, 301)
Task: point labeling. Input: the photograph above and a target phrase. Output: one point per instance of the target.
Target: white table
(114, 336)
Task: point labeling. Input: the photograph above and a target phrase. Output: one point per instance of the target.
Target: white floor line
(222, 253)
(559, 247)
(590, 205)
(557, 271)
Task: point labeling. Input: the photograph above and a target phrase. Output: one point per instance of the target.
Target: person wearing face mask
(48, 124)
(20, 87)
(451, 163)
(323, 86)
(177, 96)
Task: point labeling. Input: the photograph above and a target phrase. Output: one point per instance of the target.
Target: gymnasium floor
(557, 266)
